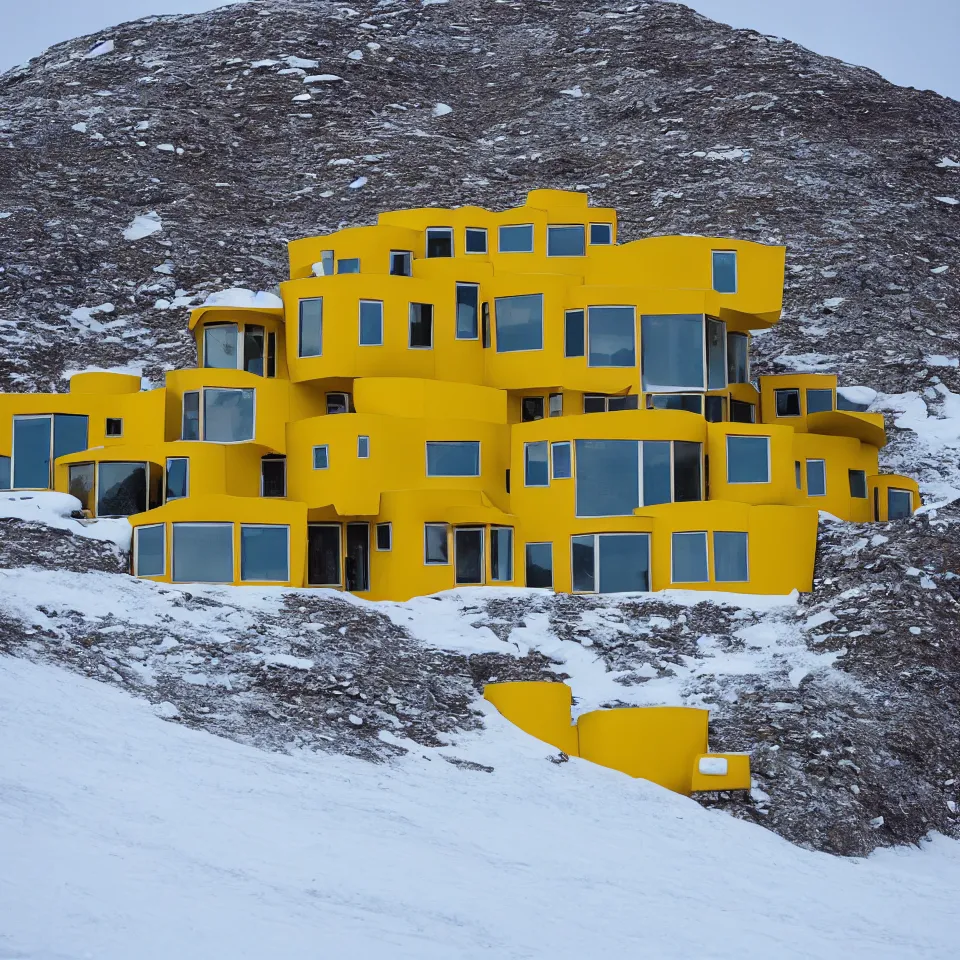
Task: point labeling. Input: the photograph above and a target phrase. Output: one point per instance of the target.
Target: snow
(441, 109)
(574, 92)
(948, 162)
(358, 183)
(322, 78)
(952, 201)
(115, 821)
(242, 297)
(54, 509)
(144, 225)
(105, 46)
(857, 394)
(713, 766)
(938, 360)
(82, 318)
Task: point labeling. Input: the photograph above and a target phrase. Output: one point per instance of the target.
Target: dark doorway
(358, 557)
(323, 555)
(468, 554)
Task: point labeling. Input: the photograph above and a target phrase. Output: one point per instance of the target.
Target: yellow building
(461, 397)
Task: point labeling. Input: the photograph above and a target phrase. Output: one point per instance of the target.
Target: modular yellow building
(464, 397)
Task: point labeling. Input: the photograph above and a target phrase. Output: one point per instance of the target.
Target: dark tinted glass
(271, 354)
(400, 264)
(714, 409)
(253, 349)
(122, 490)
(686, 471)
(788, 403)
(468, 304)
(594, 403)
(177, 469)
(384, 536)
(624, 563)
(191, 416)
(421, 324)
(357, 562)
(81, 484)
(601, 233)
(899, 504)
(738, 368)
(476, 240)
(573, 333)
(566, 241)
(858, 483)
(531, 408)
(629, 402)
(468, 549)
(582, 564)
(323, 555)
(435, 547)
(539, 558)
(440, 243)
(273, 472)
(819, 401)
(741, 412)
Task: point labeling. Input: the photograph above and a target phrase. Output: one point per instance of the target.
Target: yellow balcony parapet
(865, 427)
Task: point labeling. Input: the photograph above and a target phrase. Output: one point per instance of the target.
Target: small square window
(114, 427)
(601, 234)
(439, 241)
(556, 405)
(788, 403)
(858, 484)
(819, 401)
(349, 265)
(531, 408)
(476, 240)
(436, 548)
(561, 460)
(742, 412)
(725, 271)
(384, 536)
(321, 457)
(363, 447)
(516, 238)
(748, 459)
(401, 263)
(566, 241)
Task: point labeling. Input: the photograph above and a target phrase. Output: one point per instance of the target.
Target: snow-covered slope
(125, 836)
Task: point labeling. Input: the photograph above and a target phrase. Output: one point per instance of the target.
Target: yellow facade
(465, 397)
(667, 745)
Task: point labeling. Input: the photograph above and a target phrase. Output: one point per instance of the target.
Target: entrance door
(468, 554)
(358, 557)
(323, 555)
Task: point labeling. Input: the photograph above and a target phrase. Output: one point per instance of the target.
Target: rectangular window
(436, 545)
(536, 472)
(516, 238)
(788, 403)
(742, 412)
(356, 565)
(421, 326)
(439, 241)
(672, 352)
(725, 271)
(611, 563)
(228, 415)
(265, 552)
(33, 453)
(858, 484)
(566, 241)
(690, 402)
(687, 483)
(401, 263)
(273, 475)
(573, 335)
(220, 346)
(321, 457)
(748, 459)
(608, 477)
(501, 554)
(190, 428)
(819, 401)
(730, 557)
(594, 403)
(203, 553)
(714, 409)
(899, 504)
(311, 327)
(363, 448)
(384, 537)
(324, 555)
(556, 405)
(689, 558)
(468, 565)
(583, 564)
(738, 358)
(371, 323)
(271, 354)
(468, 307)
(324, 265)
(69, 434)
(628, 402)
(348, 265)
(531, 408)
(337, 403)
(80, 484)
(601, 234)
(716, 354)
(539, 565)
(476, 240)
(453, 458)
(657, 472)
(150, 550)
(519, 322)
(121, 489)
(816, 478)
(798, 474)
(485, 323)
(178, 478)
(612, 336)
(561, 460)
(5, 477)
(253, 349)
(113, 427)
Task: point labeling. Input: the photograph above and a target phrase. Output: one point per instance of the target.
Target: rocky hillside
(146, 167)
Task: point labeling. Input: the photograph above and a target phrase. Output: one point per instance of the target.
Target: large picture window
(453, 458)
(611, 563)
(672, 349)
(38, 441)
(311, 327)
(228, 414)
(519, 322)
(149, 550)
(516, 238)
(203, 553)
(265, 552)
(689, 558)
(566, 240)
(121, 489)
(612, 336)
(748, 459)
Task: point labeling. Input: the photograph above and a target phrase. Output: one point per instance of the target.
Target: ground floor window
(899, 504)
(858, 484)
(501, 554)
(203, 553)
(730, 557)
(265, 552)
(539, 565)
(323, 555)
(468, 555)
(688, 558)
(150, 551)
(611, 563)
(435, 543)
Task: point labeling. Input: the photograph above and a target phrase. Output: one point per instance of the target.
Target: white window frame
(202, 523)
(536, 486)
(456, 322)
(327, 257)
(596, 558)
(703, 350)
(486, 242)
(586, 239)
(112, 436)
(636, 348)
(533, 239)
(300, 353)
(408, 255)
(33, 416)
(471, 528)
(890, 490)
(376, 537)
(360, 304)
(436, 563)
(806, 474)
(239, 350)
(316, 447)
(743, 483)
(136, 549)
(96, 490)
(553, 445)
(166, 470)
(363, 446)
(706, 554)
(201, 424)
(431, 443)
(274, 460)
(736, 272)
(494, 527)
(285, 527)
(543, 323)
(426, 242)
(713, 545)
(788, 416)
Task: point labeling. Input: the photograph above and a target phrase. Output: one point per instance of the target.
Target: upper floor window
(612, 336)
(566, 241)
(858, 483)
(516, 238)
(363, 448)
(273, 475)
(601, 403)
(453, 458)
(742, 412)
(738, 358)
(816, 478)
(38, 441)
(401, 263)
(311, 327)
(716, 354)
(531, 408)
(421, 326)
(536, 472)
(788, 403)
(573, 333)
(690, 402)
(476, 240)
(177, 478)
(519, 322)
(220, 346)
(715, 409)
(226, 415)
(371, 323)
(555, 405)
(113, 427)
(672, 352)
(748, 459)
(338, 403)
(725, 271)
(468, 310)
(321, 456)
(324, 266)
(819, 401)
(253, 349)
(439, 241)
(348, 265)
(561, 462)
(601, 234)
